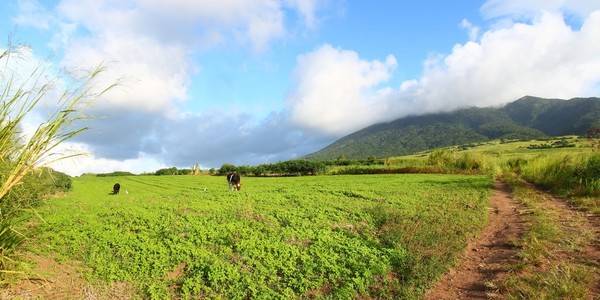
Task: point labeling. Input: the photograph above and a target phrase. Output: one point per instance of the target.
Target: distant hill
(525, 118)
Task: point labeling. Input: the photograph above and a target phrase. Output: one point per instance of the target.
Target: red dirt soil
(486, 258)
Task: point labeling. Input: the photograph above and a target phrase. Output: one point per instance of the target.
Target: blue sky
(249, 82)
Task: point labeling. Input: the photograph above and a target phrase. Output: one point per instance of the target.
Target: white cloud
(157, 75)
(198, 23)
(88, 162)
(530, 9)
(307, 9)
(472, 30)
(547, 59)
(337, 92)
(151, 42)
(32, 14)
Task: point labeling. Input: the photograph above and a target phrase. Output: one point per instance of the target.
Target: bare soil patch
(487, 258)
(49, 279)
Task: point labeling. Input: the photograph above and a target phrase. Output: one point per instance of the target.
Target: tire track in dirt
(487, 258)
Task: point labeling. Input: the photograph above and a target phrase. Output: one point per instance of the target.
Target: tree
(167, 171)
(227, 168)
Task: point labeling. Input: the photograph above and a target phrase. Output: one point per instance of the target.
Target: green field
(370, 236)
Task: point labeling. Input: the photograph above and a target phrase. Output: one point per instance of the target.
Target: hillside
(525, 118)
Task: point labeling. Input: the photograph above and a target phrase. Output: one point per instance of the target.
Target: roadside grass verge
(548, 266)
(574, 176)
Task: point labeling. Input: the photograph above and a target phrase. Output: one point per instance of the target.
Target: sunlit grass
(378, 236)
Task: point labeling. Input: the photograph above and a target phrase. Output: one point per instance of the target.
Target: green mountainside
(525, 118)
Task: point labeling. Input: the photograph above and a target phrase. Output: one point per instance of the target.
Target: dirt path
(487, 258)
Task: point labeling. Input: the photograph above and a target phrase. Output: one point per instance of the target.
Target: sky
(248, 82)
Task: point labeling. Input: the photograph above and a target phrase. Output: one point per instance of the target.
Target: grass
(20, 155)
(547, 266)
(546, 269)
(376, 236)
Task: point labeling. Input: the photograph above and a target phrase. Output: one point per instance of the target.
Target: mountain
(526, 118)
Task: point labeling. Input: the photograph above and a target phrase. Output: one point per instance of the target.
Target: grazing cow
(233, 180)
(116, 188)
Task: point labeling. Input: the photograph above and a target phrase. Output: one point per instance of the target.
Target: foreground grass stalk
(20, 155)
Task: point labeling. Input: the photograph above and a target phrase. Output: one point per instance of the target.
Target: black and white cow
(233, 180)
(116, 188)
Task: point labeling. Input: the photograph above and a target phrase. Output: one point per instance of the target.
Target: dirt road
(486, 258)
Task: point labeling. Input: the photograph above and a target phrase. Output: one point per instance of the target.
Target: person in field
(116, 188)
(233, 180)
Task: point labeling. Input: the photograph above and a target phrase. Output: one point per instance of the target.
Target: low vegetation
(381, 236)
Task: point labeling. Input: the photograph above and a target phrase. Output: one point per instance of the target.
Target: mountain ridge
(528, 117)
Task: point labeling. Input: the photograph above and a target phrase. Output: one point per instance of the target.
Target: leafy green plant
(375, 236)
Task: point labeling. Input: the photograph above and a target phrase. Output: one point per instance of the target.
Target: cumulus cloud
(547, 58)
(202, 23)
(150, 42)
(156, 76)
(337, 91)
